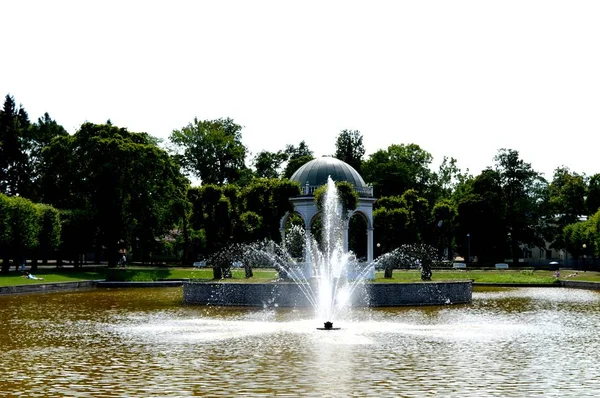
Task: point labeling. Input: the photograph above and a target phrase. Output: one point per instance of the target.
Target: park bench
(459, 266)
(501, 266)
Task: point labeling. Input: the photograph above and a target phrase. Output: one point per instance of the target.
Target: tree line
(113, 190)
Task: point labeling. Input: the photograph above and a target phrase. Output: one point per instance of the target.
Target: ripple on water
(513, 342)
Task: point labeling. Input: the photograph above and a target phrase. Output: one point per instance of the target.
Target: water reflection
(143, 342)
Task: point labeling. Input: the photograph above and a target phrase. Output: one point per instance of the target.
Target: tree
(22, 232)
(268, 164)
(564, 205)
(41, 134)
(123, 180)
(269, 198)
(521, 186)
(448, 179)
(397, 169)
(49, 233)
(349, 148)
(15, 169)
(481, 216)
(297, 156)
(211, 150)
(592, 201)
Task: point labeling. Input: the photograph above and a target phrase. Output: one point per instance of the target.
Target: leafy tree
(23, 229)
(15, 169)
(398, 168)
(269, 198)
(297, 156)
(567, 195)
(211, 150)
(575, 236)
(390, 228)
(215, 218)
(565, 204)
(49, 232)
(78, 234)
(123, 179)
(521, 186)
(250, 227)
(481, 215)
(5, 230)
(448, 179)
(592, 201)
(41, 134)
(349, 148)
(268, 164)
(419, 215)
(346, 193)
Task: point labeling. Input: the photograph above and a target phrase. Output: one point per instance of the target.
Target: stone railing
(361, 191)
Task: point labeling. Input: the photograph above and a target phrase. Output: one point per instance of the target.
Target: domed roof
(316, 171)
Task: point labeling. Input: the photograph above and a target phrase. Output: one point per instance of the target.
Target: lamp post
(584, 246)
(468, 248)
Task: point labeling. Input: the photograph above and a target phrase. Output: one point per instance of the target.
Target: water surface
(144, 342)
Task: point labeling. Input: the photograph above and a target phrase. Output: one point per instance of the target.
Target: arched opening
(357, 235)
(294, 235)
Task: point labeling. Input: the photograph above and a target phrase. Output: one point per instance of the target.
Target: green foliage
(250, 227)
(520, 187)
(391, 228)
(592, 201)
(349, 148)
(347, 195)
(269, 198)
(5, 224)
(121, 180)
(297, 156)
(481, 216)
(25, 224)
(444, 216)
(15, 167)
(398, 168)
(268, 164)
(50, 227)
(565, 203)
(211, 150)
(26, 227)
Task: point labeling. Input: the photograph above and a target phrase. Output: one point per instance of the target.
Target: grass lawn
(51, 275)
(267, 275)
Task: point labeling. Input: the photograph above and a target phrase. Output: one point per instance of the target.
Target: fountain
(328, 279)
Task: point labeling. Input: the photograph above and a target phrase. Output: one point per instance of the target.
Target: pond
(144, 342)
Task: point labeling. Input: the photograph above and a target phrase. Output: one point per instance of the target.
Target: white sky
(458, 78)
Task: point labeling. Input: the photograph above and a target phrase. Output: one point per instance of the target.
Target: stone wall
(580, 285)
(291, 294)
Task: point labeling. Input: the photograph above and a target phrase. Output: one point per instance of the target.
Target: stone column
(282, 233)
(345, 235)
(369, 245)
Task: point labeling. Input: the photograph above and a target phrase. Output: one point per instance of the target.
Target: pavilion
(314, 174)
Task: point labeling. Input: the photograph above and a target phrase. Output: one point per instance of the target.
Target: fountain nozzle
(328, 326)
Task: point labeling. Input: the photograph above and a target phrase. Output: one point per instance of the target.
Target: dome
(315, 173)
